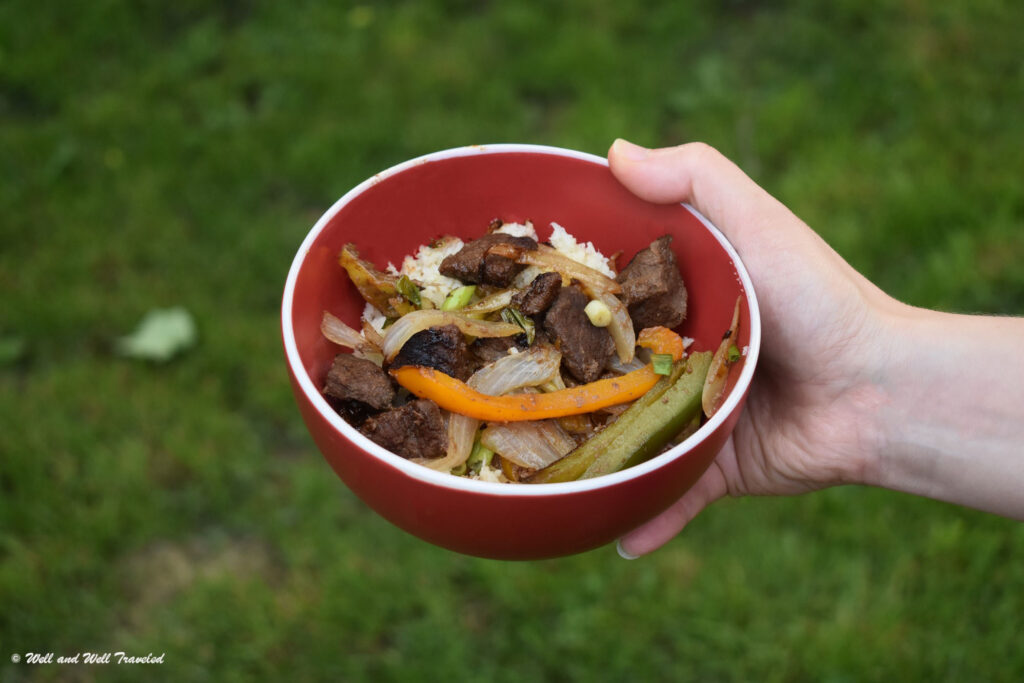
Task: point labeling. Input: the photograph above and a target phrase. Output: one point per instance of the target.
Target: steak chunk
(539, 295)
(585, 348)
(357, 379)
(442, 348)
(489, 349)
(652, 287)
(473, 264)
(416, 430)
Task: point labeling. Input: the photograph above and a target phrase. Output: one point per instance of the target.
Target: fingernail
(623, 553)
(631, 151)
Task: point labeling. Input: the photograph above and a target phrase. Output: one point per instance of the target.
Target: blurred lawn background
(156, 154)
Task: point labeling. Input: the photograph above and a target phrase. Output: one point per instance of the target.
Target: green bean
(657, 424)
(576, 463)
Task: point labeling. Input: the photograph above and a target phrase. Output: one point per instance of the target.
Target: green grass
(158, 154)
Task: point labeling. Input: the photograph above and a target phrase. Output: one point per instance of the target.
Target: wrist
(951, 420)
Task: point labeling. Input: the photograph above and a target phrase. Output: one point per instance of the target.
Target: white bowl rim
(443, 479)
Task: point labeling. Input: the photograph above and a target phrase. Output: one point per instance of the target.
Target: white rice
(423, 269)
(585, 253)
(491, 473)
(518, 229)
(374, 317)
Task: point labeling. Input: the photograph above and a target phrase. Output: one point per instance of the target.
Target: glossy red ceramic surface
(459, 192)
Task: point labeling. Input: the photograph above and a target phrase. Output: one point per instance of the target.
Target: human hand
(807, 422)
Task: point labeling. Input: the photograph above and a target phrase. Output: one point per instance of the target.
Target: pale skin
(852, 387)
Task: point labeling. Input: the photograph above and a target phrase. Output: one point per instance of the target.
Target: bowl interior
(392, 214)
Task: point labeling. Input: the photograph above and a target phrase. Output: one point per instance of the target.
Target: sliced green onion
(460, 470)
(479, 457)
(458, 298)
(662, 363)
(512, 315)
(732, 355)
(409, 290)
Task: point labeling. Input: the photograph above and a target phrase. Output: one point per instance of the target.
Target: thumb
(700, 175)
(652, 535)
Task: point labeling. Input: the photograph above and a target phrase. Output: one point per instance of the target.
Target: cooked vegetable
(512, 315)
(575, 424)
(479, 458)
(732, 355)
(458, 298)
(411, 323)
(662, 420)
(409, 290)
(377, 288)
(513, 472)
(528, 444)
(372, 335)
(620, 327)
(616, 365)
(527, 369)
(688, 430)
(662, 363)
(338, 332)
(714, 385)
(640, 432)
(661, 340)
(489, 304)
(598, 313)
(572, 466)
(458, 397)
(546, 258)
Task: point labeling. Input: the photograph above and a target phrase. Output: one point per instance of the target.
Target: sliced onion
(547, 258)
(616, 365)
(508, 373)
(527, 368)
(338, 332)
(621, 326)
(371, 334)
(494, 302)
(718, 372)
(528, 444)
(461, 435)
(416, 321)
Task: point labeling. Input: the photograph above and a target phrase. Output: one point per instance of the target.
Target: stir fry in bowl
(511, 360)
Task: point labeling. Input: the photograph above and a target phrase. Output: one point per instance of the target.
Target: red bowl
(459, 192)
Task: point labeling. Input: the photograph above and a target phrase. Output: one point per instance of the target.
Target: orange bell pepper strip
(458, 397)
(661, 340)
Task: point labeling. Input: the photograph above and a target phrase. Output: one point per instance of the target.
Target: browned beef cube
(473, 264)
(585, 348)
(442, 348)
(357, 379)
(416, 430)
(489, 349)
(539, 295)
(652, 287)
